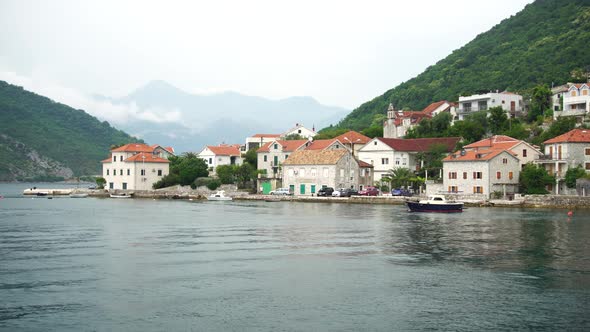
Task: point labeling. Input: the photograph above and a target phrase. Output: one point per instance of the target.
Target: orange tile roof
(364, 164)
(472, 155)
(419, 144)
(430, 108)
(572, 136)
(225, 150)
(579, 86)
(108, 160)
(146, 158)
(321, 144)
(354, 137)
(315, 157)
(498, 141)
(134, 147)
(288, 145)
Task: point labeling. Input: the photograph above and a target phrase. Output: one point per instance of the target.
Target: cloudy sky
(341, 53)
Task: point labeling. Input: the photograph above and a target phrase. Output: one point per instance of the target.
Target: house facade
(479, 174)
(300, 130)
(399, 122)
(136, 166)
(353, 140)
(258, 140)
(385, 154)
(273, 154)
(510, 102)
(306, 171)
(575, 100)
(522, 150)
(224, 154)
(571, 149)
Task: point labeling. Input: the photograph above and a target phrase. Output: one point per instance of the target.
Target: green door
(266, 187)
(302, 189)
(313, 188)
(292, 188)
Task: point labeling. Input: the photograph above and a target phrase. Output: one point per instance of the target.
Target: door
(266, 187)
(292, 188)
(124, 185)
(302, 189)
(313, 188)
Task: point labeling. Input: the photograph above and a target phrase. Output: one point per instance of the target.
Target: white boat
(124, 195)
(435, 203)
(219, 196)
(78, 195)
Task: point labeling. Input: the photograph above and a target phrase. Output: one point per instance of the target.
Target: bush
(213, 184)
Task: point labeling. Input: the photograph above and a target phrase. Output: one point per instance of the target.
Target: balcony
(547, 158)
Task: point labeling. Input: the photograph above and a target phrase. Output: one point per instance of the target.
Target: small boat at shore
(435, 203)
(219, 196)
(78, 195)
(124, 195)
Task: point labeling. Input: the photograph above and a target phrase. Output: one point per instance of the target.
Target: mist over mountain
(227, 117)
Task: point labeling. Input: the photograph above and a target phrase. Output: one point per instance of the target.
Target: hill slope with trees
(544, 43)
(44, 140)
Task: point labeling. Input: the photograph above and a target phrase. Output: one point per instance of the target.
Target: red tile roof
(108, 160)
(146, 158)
(364, 164)
(225, 150)
(472, 155)
(499, 141)
(572, 136)
(315, 157)
(432, 107)
(579, 86)
(321, 144)
(420, 144)
(415, 117)
(134, 147)
(288, 145)
(354, 137)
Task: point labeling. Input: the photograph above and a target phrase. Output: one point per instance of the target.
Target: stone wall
(557, 201)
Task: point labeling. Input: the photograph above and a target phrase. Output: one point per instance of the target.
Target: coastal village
(480, 171)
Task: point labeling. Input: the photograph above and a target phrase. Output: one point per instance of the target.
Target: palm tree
(398, 177)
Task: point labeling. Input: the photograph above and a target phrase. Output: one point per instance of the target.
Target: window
(505, 160)
(276, 146)
(114, 172)
(478, 190)
(120, 158)
(286, 156)
(524, 152)
(397, 161)
(510, 175)
(404, 161)
(114, 158)
(143, 172)
(313, 188)
(464, 175)
(121, 172)
(341, 173)
(211, 160)
(111, 185)
(453, 189)
(384, 161)
(477, 175)
(587, 166)
(584, 92)
(302, 172)
(313, 172)
(107, 171)
(159, 172)
(587, 151)
(299, 131)
(265, 158)
(550, 152)
(574, 93)
(325, 172)
(375, 143)
(128, 171)
(124, 185)
(498, 175)
(452, 175)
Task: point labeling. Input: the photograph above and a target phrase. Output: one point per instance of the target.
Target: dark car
(348, 192)
(369, 191)
(401, 192)
(326, 191)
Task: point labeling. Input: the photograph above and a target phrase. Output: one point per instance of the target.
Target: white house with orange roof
(477, 174)
(223, 154)
(353, 140)
(510, 102)
(571, 149)
(272, 154)
(300, 130)
(258, 140)
(399, 122)
(576, 100)
(136, 166)
(524, 151)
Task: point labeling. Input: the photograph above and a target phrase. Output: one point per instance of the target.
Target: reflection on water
(152, 265)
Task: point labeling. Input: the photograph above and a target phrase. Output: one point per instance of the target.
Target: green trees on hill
(545, 43)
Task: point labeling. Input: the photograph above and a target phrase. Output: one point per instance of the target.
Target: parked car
(401, 192)
(281, 191)
(338, 193)
(348, 192)
(369, 191)
(92, 186)
(325, 191)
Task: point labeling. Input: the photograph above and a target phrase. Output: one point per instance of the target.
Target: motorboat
(219, 196)
(78, 195)
(123, 195)
(435, 203)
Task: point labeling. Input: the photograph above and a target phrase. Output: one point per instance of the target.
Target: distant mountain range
(227, 117)
(542, 44)
(44, 140)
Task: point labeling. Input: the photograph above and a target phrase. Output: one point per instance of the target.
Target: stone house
(477, 174)
(524, 151)
(571, 149)
(306, 171)
(389, 153)
(136, 166)
(272, 154)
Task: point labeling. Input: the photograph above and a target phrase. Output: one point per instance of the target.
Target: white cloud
(102, 109)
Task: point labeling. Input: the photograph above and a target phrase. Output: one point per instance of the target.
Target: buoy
(570, 213)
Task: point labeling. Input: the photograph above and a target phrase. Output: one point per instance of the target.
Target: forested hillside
(542, 44)
(42, 139)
